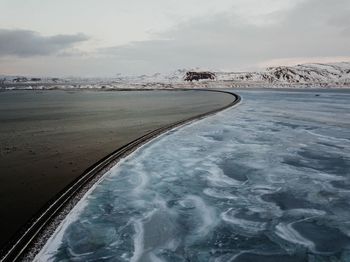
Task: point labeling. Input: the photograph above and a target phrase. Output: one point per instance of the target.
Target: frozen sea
(268, 180)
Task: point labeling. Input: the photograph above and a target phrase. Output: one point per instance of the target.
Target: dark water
(48, 138)
(266, 181)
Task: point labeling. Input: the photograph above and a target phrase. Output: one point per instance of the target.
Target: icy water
(268, 180)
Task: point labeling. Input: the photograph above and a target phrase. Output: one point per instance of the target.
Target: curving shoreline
(225, 188)
(41, 228)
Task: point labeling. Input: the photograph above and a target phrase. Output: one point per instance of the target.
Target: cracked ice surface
(268, 180)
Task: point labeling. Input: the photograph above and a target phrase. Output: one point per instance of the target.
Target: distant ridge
(304, 75)
(336, 73)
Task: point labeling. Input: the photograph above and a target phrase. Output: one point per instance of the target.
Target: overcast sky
(107, 37)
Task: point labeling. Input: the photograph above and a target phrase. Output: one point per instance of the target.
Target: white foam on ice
(138, 240)
(288, 233)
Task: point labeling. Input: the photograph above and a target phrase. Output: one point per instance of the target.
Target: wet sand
(48, 138)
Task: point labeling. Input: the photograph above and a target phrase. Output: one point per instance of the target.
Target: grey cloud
(25, 43)
(313, 28)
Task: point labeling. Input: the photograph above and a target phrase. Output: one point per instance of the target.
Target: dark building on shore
(191, 76)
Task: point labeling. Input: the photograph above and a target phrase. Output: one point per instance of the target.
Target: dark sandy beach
(49, 138)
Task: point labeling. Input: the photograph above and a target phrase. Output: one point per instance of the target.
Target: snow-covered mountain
(318, 74)
(305, 75)
(175, 76)
(336, 74)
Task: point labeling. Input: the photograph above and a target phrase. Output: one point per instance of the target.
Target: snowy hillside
(176, 76)
(337, 73)
(306, 75)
